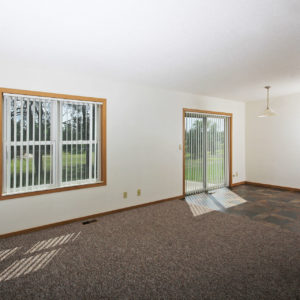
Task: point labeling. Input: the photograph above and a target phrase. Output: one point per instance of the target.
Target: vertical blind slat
(15, 139)
(39, 146)
(191, 158)
(196, 153)
(8, 148)
(216, 146)
(95, 139)
(81, 137)
(76, 108)
(33, 139)
(90, 140)
(21, 145)
(27, 143)
(219, 163)
(71, 127)
(98, 138)
(45, 138)
(66, 146)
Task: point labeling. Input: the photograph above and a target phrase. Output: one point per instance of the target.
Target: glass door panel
(215, 152)
(194, 153)
(206, 152)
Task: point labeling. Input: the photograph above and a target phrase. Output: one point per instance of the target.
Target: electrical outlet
(180, 147)
(138, 192)
(125, 195)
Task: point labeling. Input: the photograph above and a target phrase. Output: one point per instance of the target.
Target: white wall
(273, 144)
(144, 130)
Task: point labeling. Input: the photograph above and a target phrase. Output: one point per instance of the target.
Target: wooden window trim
(183, 140)
(60, 96)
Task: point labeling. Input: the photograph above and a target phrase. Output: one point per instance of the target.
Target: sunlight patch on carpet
(28, 265)
(227, 198)
(53, 242)
(7, 253)
(33, 263)
(199, 204)
(216, 200)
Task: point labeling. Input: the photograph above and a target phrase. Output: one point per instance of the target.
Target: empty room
(150, 149)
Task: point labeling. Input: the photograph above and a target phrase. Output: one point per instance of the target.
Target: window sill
(52, 190)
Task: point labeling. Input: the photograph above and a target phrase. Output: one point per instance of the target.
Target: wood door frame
(183, 140)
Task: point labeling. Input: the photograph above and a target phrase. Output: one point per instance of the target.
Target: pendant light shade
(269, 112)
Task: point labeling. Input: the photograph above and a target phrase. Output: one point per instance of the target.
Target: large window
(51, 142)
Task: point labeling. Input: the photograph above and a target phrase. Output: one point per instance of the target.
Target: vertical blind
(206, 152)
(49, 143)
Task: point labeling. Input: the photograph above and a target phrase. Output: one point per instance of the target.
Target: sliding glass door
(206, 152)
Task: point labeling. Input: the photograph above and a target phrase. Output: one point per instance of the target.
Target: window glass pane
(49, 143)
(28, 146)
(18, 118)
(78, 142)
(74, 164)
(12, 115)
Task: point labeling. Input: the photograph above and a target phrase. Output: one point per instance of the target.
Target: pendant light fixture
(269, 112)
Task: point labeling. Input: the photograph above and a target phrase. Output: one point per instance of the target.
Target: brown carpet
(158, 252)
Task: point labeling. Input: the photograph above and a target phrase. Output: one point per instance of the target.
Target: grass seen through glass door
(212, 160)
